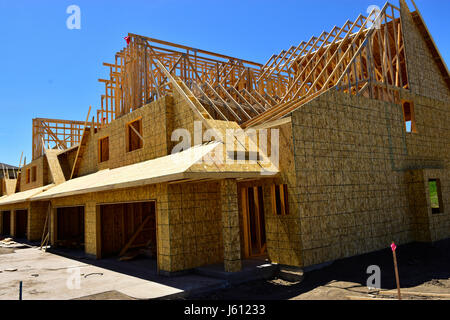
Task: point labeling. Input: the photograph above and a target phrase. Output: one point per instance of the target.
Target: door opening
(128, 227)
(6, 223)
(70, 227)
(254, 224)
(21, 223)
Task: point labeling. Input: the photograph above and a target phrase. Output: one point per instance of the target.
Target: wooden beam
(135, 131)
(134, 236)
(213, 105)
(80, 147)
(233, 101)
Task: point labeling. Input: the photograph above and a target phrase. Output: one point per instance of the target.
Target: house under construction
(339, 146)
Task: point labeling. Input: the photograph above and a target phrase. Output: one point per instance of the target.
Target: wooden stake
(5, 173)
(20, 162)
(397, 279)
(80, 145)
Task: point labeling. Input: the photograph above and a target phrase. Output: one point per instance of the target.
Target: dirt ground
(424, 275)
(424, 271)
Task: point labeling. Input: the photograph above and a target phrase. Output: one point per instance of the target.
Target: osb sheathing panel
(36, 219)
(229, 209)
(54, 166)
(417, 198)
(15, 206)
(153, 131)
(194, 226)
(430, 145)
(67, 160)
(37, 212)
(351, 155)
(160, 119)
(439, 222)
(234, 139)
(180, 116)
(283, 232)
(425, 78)
(189, 232)
(91, 200)
(427, 226)
(8, 186)
(43, 176)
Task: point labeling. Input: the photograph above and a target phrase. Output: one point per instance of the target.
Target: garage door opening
(21, 223)
(6, 223)
(70, 227)
(128, 229)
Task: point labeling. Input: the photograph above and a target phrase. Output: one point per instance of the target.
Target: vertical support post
(230, 225)
(52, 232)
(92, 229)
(2, 229)
(13, 223)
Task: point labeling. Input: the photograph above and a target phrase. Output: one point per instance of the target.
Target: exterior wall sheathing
(351, 158)
(43, 176)
(189, 225)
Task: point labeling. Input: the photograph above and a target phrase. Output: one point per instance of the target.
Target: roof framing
(356, 58)
(362, 57)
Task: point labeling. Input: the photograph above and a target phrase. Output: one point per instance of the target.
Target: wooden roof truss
(358, 58)
(224, 83)
(55, 134)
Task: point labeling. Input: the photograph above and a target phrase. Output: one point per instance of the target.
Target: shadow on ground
(145, 268)
(141, 267)
(418, 264)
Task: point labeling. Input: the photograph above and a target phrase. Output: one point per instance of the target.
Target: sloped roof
(8, 166)
(23, 196)
(425, 32)
(179, 166)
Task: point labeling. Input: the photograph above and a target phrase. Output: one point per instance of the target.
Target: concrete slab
(10, 243)
(47, 275)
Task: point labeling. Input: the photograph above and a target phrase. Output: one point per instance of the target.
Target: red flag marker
(393, 246)
(127, 39)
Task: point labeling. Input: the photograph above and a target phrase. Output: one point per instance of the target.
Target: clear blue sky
(50, 71)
